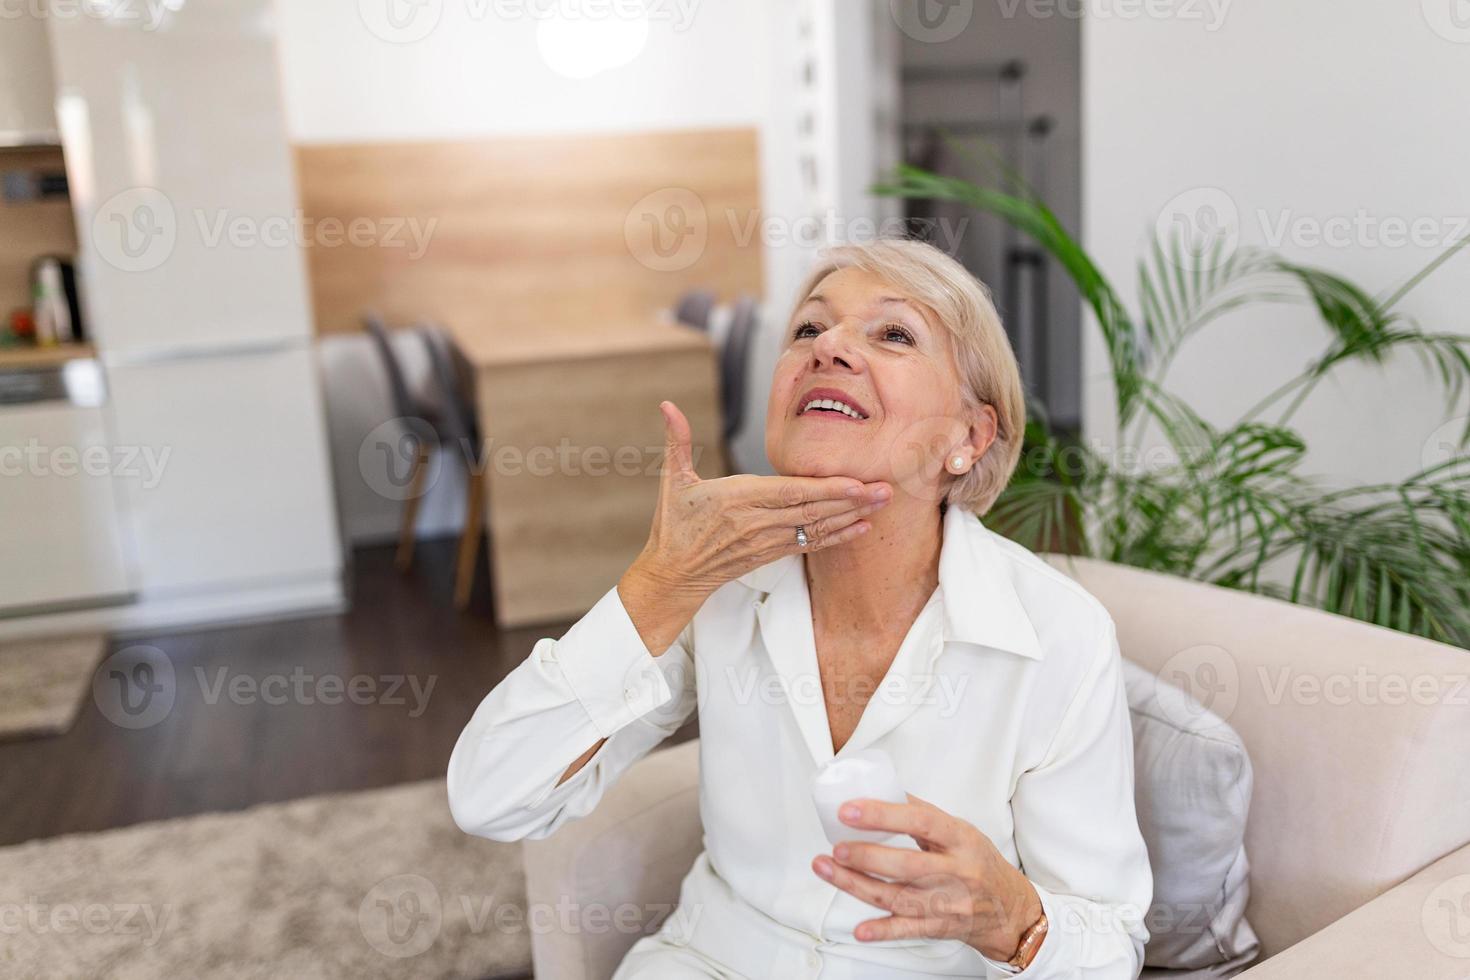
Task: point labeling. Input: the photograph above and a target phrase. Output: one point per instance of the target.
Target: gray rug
(43, 682)
(361, 885)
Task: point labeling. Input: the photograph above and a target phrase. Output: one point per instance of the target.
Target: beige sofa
(1358, 832)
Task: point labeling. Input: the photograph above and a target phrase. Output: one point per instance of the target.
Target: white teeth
(832, 406)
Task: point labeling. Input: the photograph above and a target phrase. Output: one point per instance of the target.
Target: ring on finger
(801, 538)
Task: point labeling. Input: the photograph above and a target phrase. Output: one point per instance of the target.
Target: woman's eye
(897, 335)
(807, 329)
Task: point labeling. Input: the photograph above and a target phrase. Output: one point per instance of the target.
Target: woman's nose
(836, 347)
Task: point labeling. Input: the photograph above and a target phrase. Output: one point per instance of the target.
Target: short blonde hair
(986, 364)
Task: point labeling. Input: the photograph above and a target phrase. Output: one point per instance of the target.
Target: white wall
(1306, 111)
(477, 72)
(828, 133)
(458, 70)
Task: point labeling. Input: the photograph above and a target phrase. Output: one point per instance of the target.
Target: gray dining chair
(694, 308)
(735, 363)
(422, 423)
(455, 379)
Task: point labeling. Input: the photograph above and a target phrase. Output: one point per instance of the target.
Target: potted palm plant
(1230, 505)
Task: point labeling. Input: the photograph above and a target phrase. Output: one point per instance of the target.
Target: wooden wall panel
(530, 231)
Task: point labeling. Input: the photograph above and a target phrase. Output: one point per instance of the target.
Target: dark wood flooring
(236, 752)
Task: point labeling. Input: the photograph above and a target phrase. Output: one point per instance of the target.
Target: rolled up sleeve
(597, 681)
(1078, 840)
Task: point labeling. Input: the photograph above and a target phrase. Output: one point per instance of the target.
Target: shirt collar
(981, 606)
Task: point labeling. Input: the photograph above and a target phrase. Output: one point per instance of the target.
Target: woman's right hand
(707, 532)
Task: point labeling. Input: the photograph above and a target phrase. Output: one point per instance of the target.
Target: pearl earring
(957, 464)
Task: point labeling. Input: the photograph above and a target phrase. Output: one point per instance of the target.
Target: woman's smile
(861, 351)
(830, 403)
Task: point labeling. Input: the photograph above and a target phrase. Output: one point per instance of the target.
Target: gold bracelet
(1030, 943)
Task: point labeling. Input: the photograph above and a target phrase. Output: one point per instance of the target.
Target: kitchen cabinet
(182, 179)
(62, 535)
(242, 495)
(195, 290)
(27, 106)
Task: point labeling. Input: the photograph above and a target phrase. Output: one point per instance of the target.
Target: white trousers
(654, 958)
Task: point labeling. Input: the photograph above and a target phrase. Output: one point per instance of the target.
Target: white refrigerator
(194, 282)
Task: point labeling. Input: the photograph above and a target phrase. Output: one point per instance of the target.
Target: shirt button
(814, 960)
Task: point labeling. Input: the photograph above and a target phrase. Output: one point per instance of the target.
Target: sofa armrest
(1420, 928)
(598, 884)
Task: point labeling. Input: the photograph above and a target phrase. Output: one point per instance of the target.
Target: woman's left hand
(958, 886)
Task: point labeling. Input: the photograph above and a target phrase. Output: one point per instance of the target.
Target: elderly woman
(854, 601)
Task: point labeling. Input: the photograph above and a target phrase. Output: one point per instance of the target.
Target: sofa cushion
(1192, 789)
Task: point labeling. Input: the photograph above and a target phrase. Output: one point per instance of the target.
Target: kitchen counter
(20, 358)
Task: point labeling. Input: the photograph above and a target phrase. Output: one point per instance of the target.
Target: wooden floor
(215, 752)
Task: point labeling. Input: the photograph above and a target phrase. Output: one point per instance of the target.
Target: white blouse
(1004, 706)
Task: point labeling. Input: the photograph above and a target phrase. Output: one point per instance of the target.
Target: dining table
(573, 446)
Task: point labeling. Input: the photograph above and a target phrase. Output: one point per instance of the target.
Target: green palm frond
(1230, 505)
(1395, 562)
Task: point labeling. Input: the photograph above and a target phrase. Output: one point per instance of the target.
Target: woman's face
(867, 387)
